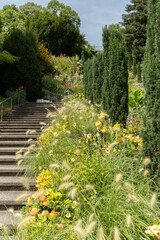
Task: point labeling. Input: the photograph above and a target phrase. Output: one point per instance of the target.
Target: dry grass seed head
(118, 177)
(128, 185)
(78, 229)
(19, 156)
(91, 217)
(89, 187)
(43, 123)
(22, 196)
(37, 194)
(26, 221)
(54, 165)
(66, 185)
(25, 182)
(116, 234)
(153, 200)
(66, 178)
(29, 140)
(73, 193)
(100, 234)
(129, 220)
(65, 164)
(90, 227)
(146, 172)
(146, 161)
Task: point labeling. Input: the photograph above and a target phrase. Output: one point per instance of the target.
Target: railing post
(1, 112)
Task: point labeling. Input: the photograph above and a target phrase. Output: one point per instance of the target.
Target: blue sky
(94, 14)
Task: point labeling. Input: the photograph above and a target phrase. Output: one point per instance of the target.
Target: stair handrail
(11, 101)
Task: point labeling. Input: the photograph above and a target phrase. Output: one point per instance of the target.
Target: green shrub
(53, 85)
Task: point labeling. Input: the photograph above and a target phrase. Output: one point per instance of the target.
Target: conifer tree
(151, 75)
(139, 78)
(115, 86)
(134, 22)
(134, 69)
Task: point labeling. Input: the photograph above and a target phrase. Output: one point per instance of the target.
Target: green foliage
(139, 78)
(102, 170)
(134, 68)
(58, 32)
(115, 86)
(45, 58)
(52, 85)
(30, 8)
(11, 18)
(24, 72)
(151, 76)
(136, 98)
(7, 57)
(134, 22)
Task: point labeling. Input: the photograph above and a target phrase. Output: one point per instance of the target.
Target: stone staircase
(13, 138)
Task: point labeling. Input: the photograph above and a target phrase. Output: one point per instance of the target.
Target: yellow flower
(116, 127)
(102, 115)
(98, 124)
(68, 215)
(89, 136)
(29, 201)
(103, 129)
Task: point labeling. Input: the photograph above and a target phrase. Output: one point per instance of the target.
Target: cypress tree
(139, 78)
(115, 86)
(134, 70)
(151, 75)
(130, 62)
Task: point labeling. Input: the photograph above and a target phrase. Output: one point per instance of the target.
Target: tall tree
(26, 71)
(57, 32)
(151, 75)
(115, 85)
(11, 18)
(30, 8)
(134, 23)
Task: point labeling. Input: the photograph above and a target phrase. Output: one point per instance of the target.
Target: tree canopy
(134, 22)
(56, 26)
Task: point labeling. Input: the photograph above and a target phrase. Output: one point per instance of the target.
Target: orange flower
(34, 211)
(56, 202)
(60, 227)
(42, 198)
(46, 203)
(29, 201)
(45, 213)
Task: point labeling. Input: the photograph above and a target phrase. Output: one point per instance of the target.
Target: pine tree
(115, 86)
(134, 23)
(151, 75)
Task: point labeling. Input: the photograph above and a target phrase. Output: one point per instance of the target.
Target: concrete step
(26, 127)
(12, 150)
(9, 199)
(8, 159)
(8, 218)
(17, 130)
(16, 143)
(6, 137)
(11, 170)
(14, 183)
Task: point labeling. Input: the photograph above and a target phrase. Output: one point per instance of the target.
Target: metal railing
(12, 102)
